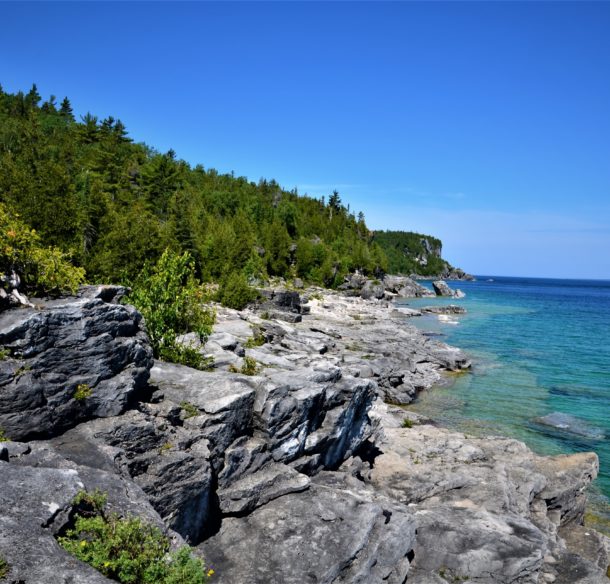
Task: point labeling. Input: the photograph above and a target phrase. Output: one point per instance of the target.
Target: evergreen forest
(111, 206)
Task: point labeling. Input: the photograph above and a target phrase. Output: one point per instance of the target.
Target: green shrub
(43, 270)
(3, 436)
(249, 367)
(190, 410)
(83, 391)
(129, 550)
(165, 447)
(90, 503)
(172, 303)
(257, 340)
(4, 568)
(234, 292)
(407, 423)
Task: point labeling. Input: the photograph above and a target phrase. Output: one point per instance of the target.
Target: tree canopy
(113, 205)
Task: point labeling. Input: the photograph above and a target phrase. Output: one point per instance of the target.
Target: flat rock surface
(334, 532)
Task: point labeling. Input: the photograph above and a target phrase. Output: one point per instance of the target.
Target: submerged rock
(449, 309)
(571, 424)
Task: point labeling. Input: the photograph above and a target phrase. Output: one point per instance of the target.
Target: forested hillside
(412, 253)
(112, 204)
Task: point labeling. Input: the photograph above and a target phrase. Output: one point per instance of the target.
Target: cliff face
(300, 473)
(418, 254)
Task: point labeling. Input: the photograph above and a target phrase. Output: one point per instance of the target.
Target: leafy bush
(3, 437)
(172, 303)
(127, 549)
(4, 568)
(250, 367)
(43, 270)
(257, 340)
(90, 503)
(407, 423)
(190, 410)
(83, 391)
(234, 292)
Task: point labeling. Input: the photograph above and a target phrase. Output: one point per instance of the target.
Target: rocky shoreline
(304, 470)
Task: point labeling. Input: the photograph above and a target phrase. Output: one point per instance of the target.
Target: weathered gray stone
(250, 462)
(465, 544)
(441, 288)
(334, 532)
(36, 504)
(405, 287)
(254, 490)
(168, 463)
(83, 341)
(448, 309)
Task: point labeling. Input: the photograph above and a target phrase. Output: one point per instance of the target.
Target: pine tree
(32, 98)
(65, 110)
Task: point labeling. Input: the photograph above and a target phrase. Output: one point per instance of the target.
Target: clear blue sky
(485, 124)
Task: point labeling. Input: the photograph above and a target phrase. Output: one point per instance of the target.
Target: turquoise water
(539, 347)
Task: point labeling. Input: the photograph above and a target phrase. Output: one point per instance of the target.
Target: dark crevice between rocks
(214, 518)
(67, 518)
(368, 451)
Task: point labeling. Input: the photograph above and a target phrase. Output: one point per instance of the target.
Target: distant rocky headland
(417, 255)
(289, 461)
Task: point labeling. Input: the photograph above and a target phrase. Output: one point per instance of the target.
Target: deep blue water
(539, 347)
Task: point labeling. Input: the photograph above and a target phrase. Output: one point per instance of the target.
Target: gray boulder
(441, 288)
(405, 287)
(337, 531)
(372, 290)
(254, 490)
(71, 360)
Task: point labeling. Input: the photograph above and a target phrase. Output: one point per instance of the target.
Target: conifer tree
(65, 110)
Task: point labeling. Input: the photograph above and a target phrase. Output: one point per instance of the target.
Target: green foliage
(23, 370)
(4, 353)
(83, 391)
(190, 410)
(45, 270)
(172, 303)
(249, 367)
(403, 249)
(165, 447)
(4, 568)
(114, 206)
(234, 291)
(255, 340)
(3, 436)
(90, 503)
(407, 423)
(127, 549)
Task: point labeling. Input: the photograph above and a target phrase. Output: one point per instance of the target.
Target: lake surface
(541, 367)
